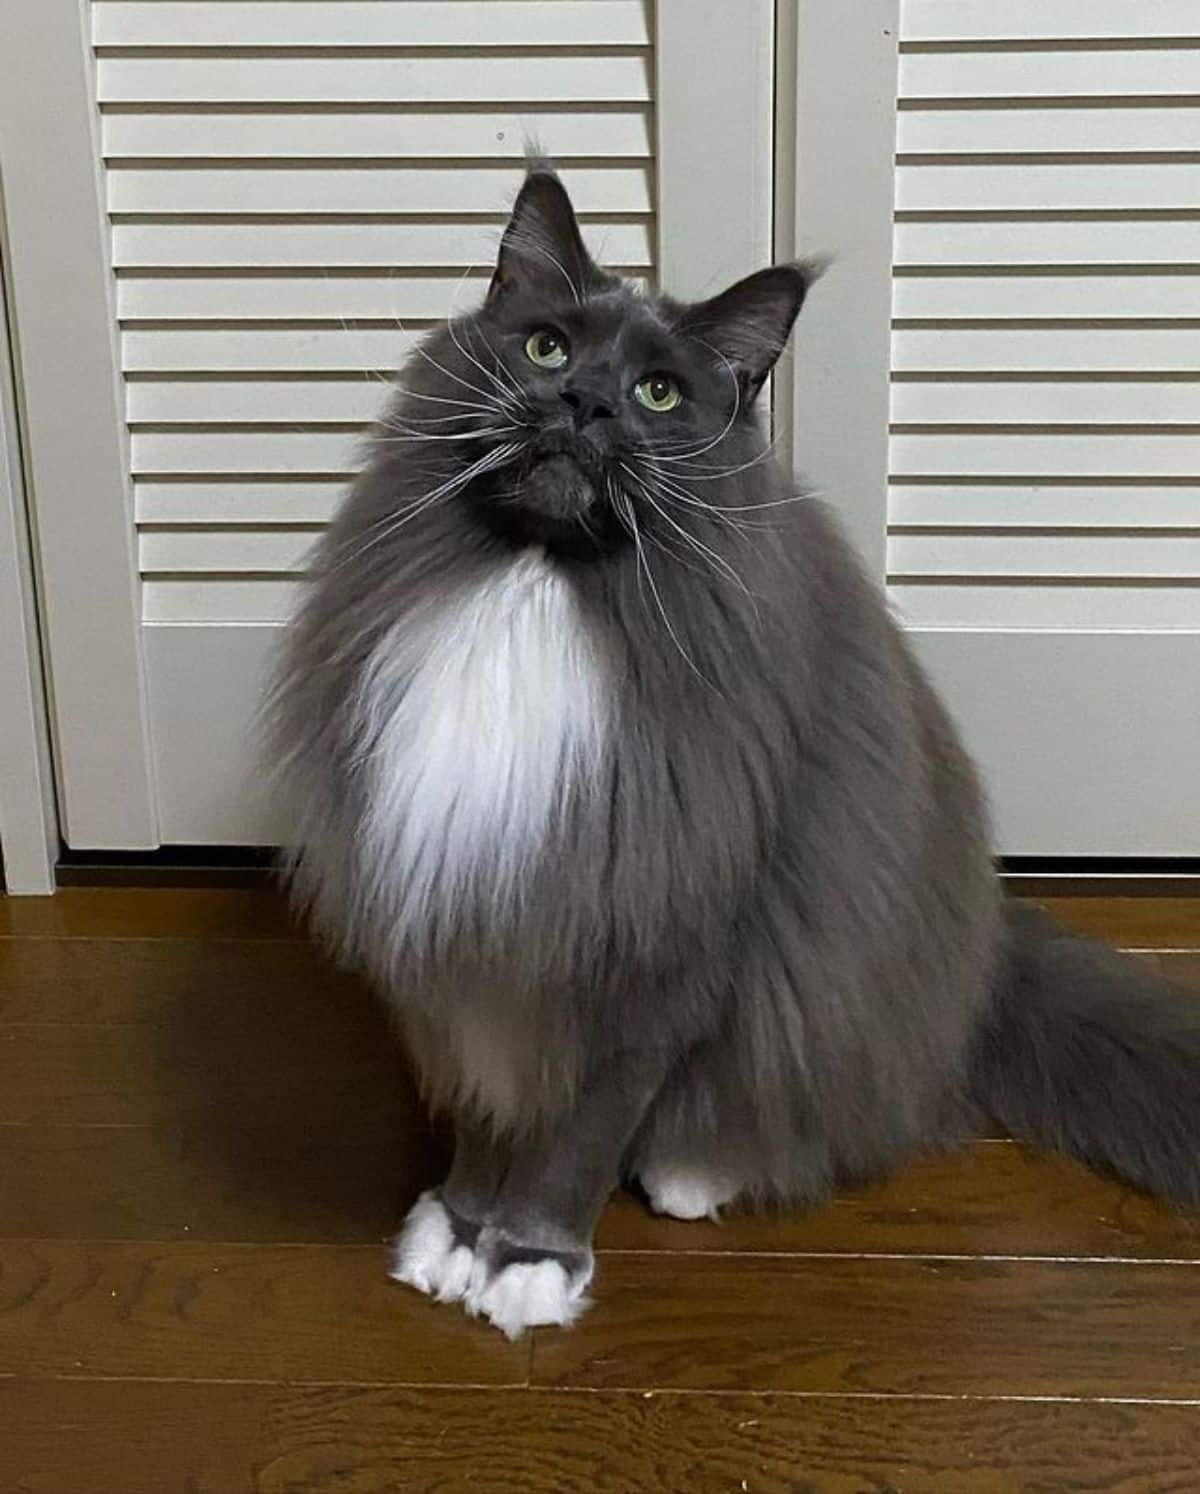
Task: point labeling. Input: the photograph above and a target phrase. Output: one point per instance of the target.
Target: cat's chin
(555, 503)
(559, 489)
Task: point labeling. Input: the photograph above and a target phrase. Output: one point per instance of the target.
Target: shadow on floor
(292, 1085)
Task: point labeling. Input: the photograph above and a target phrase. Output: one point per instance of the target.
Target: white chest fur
(482, 715)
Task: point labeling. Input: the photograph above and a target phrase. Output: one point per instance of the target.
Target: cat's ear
(748, 325)
(542, 248)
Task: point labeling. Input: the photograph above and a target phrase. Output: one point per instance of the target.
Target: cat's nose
(586, 404)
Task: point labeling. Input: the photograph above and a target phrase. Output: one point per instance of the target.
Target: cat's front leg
(435, 1250)
(533, 1258)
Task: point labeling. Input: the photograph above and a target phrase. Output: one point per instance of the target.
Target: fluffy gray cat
(608, 764)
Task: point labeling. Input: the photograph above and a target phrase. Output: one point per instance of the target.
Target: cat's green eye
(547, 348)
(658, 392)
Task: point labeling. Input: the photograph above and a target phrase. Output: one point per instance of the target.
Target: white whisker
(384, 528)
(421, 352)
(502, 368)
(625, 509)
(501, 377)
(719, 565)
(489, 407)
(417, 437)
(676, 489)
(504, 393)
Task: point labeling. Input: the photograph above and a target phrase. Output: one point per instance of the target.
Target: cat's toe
(550, 1291)
(528, 1295)
(429, 1255)
(686, 1192)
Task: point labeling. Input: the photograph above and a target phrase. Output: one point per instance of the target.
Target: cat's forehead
(619, 317)
(623, 312)
(625, 324)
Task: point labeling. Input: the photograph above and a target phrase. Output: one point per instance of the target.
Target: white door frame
(715, 63)
(28, 816)
(836, 147)
(61, 288)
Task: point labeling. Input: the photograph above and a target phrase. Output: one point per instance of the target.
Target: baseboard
(254, 866)
(1088, 876)
(173, 866)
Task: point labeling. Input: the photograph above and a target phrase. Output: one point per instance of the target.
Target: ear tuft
(542, 247)
(748, 325)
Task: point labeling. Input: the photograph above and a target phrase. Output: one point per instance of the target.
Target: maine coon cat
(610, 767)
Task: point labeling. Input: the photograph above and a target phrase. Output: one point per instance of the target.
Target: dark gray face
(624, 411)
(608, 385)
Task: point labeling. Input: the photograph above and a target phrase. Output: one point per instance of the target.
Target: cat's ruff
(481, 716)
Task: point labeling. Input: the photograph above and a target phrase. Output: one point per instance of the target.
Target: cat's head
(588, 410)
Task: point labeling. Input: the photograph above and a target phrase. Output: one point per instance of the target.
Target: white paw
(425, 1254)
(685, 1192)
(531, 1294)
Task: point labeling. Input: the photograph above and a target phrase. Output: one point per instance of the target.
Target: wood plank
(269, 1176)
(260, 1177)
(203, 1058)
(242, 984)
(140, 1438)
(1183, 969)
(229, 913)
(149, 912)
(896, 1327)
(1132, 922)
(995, 1199)
(244, 1312)
(136, 1076)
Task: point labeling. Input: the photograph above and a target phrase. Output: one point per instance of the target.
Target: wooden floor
(205, 1136)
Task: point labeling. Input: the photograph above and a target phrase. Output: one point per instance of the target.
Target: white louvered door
(218, 212)
(290, 190)
(296, 190)
(1044, 509)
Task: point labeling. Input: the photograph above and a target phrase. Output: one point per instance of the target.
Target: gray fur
(758, 934)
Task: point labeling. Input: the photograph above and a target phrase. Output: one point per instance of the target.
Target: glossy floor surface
(206, 1135)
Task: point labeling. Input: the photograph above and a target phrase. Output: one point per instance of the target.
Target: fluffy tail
(1090, 1052)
